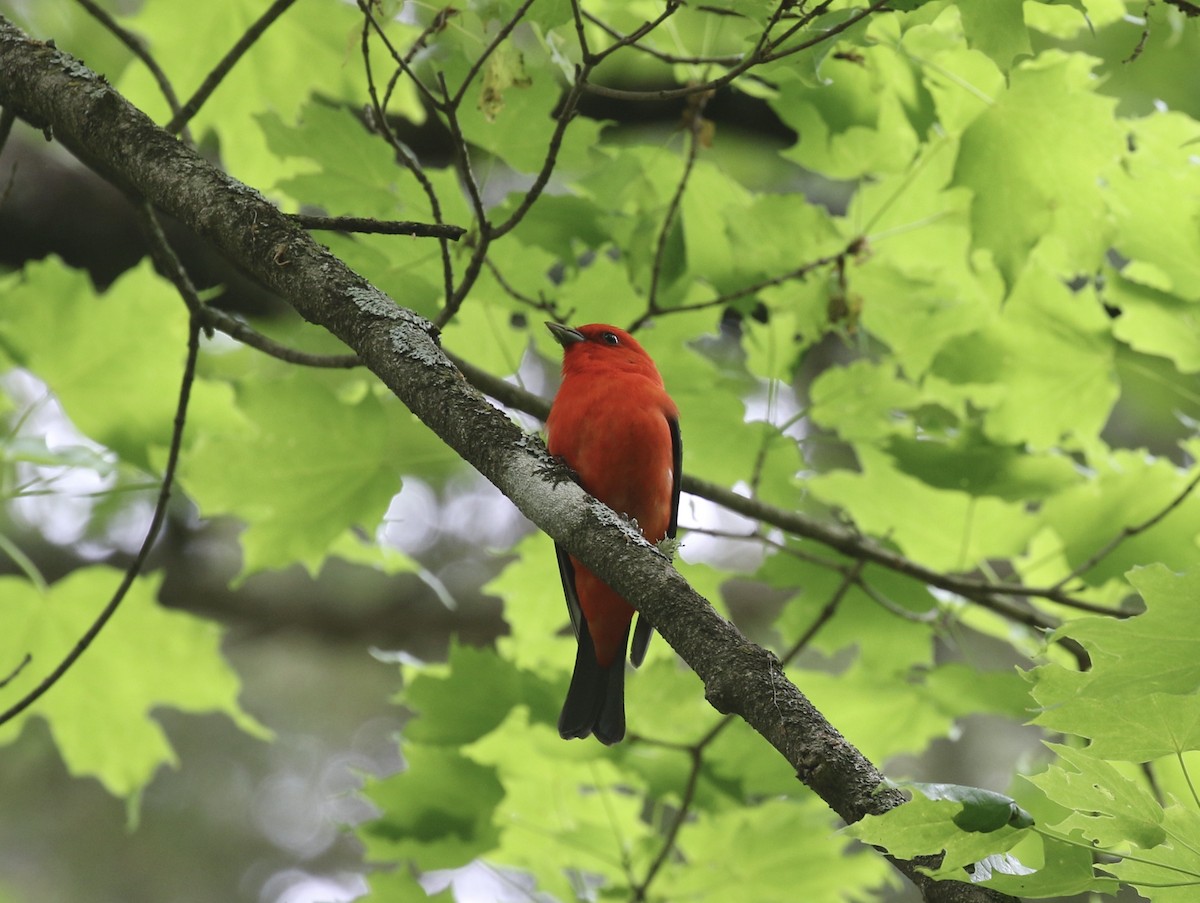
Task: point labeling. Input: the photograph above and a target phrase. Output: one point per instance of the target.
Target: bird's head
(598, 347)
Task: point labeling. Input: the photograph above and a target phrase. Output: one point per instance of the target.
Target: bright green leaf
(147, 657)
(306, 466)
(1109, 808)
(52, 323)
(468, 702)
(997, 27)
(1035, 161)
(437, 813)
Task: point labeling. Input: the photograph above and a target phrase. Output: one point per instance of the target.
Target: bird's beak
(565, 335)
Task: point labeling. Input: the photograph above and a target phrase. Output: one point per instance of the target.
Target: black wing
(643, 630)
(566, 571)
(677, 474)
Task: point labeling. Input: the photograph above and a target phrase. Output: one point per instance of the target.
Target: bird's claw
(557, 471)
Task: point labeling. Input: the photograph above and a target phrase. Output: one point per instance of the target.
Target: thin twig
(211, 318)
(727, 298)
(695, 123)
(402, 153)
(834, 31)
(481, 60)
(138, 49)
(747, 62)
(400, 59)
(226, 64)
(1141, 44)
(585, 52)
(565, 117)
(462, 155)
(16, 671)
(1127, 533)
(156, 522)
(247, 335)
(370, 226)
(894, 608)
(685, 804)
(632, 40)
(801, 21)
(169, 263)
(436, 25)
(540, 303)
(850, 577)
(761, 54)
(696, 751)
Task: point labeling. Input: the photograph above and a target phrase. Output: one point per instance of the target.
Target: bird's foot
(557, 471)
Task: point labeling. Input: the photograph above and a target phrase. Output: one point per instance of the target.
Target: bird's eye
(609, 338)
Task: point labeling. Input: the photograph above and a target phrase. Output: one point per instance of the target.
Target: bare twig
(211, 318)
(696, 751)
(764, 52)
(436, 25)
(247, 335)
(462, 153)
(565, 115)
(696, 755)
(378, 227)
(138, 49)
(850, 577)
(1128, 532)
(402, 152)
(1145, 36)
(695, 126)
(462, 156)
(633, 40)
(15, 673)
(156, 522)
(539, 303)
(727, 298)
(401, 60)
(169, 263)
(226, 64)
(480, 61)
(832, 32)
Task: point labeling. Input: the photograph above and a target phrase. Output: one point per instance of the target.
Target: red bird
(613, 423)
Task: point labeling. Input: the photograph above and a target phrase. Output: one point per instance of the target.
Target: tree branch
(45, 86)
(366, 225)
(226, 64)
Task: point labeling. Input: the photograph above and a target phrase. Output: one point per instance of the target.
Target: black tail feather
(596, 698)
(641, 639)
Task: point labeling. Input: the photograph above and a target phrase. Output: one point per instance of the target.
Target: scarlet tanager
(612, 423)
